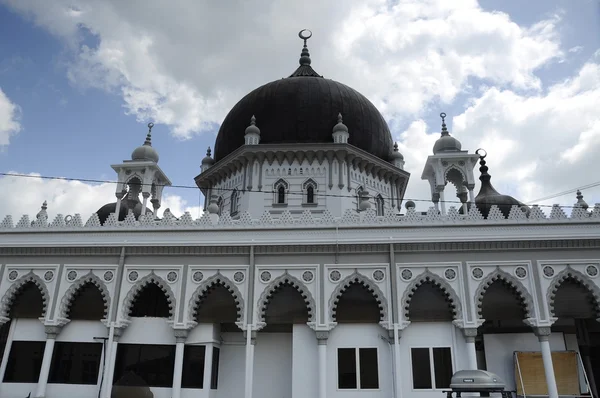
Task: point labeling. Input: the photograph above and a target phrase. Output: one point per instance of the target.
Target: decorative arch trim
(441, 285)
(278, 283)
(498, 274)
(279, 182)
(69, 296)
(17, 286)
(310, 182)
(582, 280)
(140, 285)
(216, 280)
(359, 279)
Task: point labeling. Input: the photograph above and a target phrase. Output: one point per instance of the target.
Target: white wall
(273, 365)
(429, 334)
(500, 348)
(232, 366)
(357, 336)
(305, 363)
(29, 330)
(148, 331)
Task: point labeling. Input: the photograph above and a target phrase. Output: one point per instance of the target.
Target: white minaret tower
(449, 163)
(142, 175)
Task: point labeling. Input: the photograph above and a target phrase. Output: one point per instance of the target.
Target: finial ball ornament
(481, 152)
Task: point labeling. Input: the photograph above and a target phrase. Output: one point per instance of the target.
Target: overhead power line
(270, 192)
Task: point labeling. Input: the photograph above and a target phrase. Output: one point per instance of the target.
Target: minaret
(142, 175)
(449, 163)
(397, 157)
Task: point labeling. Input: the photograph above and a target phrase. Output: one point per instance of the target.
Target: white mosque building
(308, 275)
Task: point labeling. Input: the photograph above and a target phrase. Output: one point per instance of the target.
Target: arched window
(280, 189)
(234, 203)
(309, 188)
(359, 192)
(220, 204)
(379, 205)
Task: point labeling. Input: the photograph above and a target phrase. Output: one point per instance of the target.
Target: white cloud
(9, 119)
(186, 62)
(25, 195)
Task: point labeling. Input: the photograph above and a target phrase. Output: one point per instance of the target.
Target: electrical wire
(592, 185)
(270, 192)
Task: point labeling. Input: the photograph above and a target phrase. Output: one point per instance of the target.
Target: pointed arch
(68, 297)
(570, 274)
(233, 202)
(278, 283)
(309, 190)
(379, 205)
(139, 286)
(280, 191)
(16, 287)
(440, 284)
(359, 191)
(523, 294)
(216, 280)
(359, 279)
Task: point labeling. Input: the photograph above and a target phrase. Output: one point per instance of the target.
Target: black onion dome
(488, 196)
(303, 108)
(126, 205)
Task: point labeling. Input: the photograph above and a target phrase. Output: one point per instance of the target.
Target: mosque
(307, 275)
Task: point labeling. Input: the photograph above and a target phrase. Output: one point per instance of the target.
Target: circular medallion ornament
(378, 275)
(406, 274)
(265, 276)
(239, 277)
(308, 276)
(477, 273)
(335, 275)
(171, 276)
(548, 271)
(591, 270)
(450, 274)
(108, 276)
(13, 275)
(71, 275)
(197, 276)
(48, 276)
(521, 272)
(133, 276)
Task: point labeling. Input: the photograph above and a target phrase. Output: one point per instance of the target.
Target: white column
(322, 337)
(180, 337)
(471, 196)
(7, 348)
(442, 203)
(435, 198)
(51, 333)
(145, 195)
(397, 373)
(470, 334)
(543, 335)
(208, 354)
(110, 373)
(107, 356)
(118, 207)
(250, 342)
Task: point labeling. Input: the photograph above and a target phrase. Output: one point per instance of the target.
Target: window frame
(276, 187)
(359, 190)
(234, 200)
(379, 205)
(431, 367)
(357, 362)
(315, 187)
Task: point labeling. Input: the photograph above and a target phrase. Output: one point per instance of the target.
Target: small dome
(446, 143)
(126, 205)
(396, 154)
(207, 159)
(340, 126)
(252, 129)
(146, 152)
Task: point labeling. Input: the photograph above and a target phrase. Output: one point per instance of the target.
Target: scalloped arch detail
(498, 274)
(360, 279)
(440, 284)
(279, 282)
(67, 299)
(140, 285)
(16, 287)
(581, 279)
(216, 280)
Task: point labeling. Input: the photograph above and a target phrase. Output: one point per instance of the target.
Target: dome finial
(149, 135)
(305, 56)
(395, 147)
(580, 202)
(444, 129)
(208, 152)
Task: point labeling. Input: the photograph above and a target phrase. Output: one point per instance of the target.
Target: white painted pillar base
(110, 373)
(322, 337)
(470, 334)
(107, 358)
(7, 349)
(249, 377)
(208, 354)
(471, 197)
(543, 335)
(51, 333)
(180, 337)
(443, 203)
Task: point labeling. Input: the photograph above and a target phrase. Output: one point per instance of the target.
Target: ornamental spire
(149, 135)
(305, 69)
(444, 129)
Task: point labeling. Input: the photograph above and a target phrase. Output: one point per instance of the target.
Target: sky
(81, 79)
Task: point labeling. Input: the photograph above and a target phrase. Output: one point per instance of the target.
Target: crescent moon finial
(482, 153)
(305, 36)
